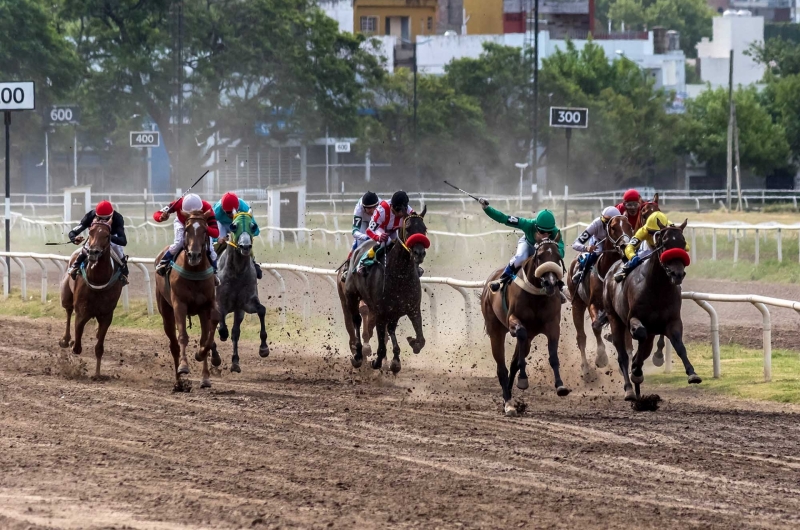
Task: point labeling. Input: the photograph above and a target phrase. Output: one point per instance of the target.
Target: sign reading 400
(575, 118)
(145, 138)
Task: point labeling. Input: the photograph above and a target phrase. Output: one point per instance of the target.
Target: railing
(301, 272)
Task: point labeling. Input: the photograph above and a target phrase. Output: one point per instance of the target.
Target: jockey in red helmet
(103, 212)
(630, 205)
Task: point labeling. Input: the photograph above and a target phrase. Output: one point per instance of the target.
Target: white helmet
(192, 203)
(610, 212)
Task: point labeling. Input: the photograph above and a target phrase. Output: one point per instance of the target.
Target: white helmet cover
(192, 203)
(610, 212)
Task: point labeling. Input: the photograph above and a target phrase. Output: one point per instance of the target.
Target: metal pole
(149, 170)
(47, 166)
(536, 99)
(7, 121)
(327, 166)
(521, 177)
(75, 159)
(730, 133)
(416, 152)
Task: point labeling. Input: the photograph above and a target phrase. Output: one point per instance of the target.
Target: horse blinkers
(674, 259)
(418, 242)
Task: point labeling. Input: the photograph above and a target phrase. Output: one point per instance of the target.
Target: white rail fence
(736, 232)
(462, 286)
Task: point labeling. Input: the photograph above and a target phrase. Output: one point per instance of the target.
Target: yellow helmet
(652, 221)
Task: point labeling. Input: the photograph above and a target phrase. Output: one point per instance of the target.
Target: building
(732, 31)
(339, 10)
(771, 10)
(563, 18)
(403, 19)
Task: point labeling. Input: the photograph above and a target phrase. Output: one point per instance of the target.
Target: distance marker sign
(17, 96)
(145, 138)
(573, 118)
(65, 115)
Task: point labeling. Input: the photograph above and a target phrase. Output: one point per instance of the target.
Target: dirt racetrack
(300, 440)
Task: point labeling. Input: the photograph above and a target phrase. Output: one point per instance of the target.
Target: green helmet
(546, 221)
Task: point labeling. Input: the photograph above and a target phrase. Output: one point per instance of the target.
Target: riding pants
(177, 245)
(524, 251)
(589, 259)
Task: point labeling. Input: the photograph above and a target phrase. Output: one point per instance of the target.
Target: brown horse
(647, 304)
(528, 306)
(589, 294)
(94, 294)
(186, 290)
(368, 322)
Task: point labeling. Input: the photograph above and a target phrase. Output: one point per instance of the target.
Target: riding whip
(166, 208)
(462, 191)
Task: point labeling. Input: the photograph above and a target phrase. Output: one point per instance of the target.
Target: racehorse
(187, 290)
(238, 286)
(526, 307)
(645, 211)
(589, 294)
(95, 293)
(391, 290)
(648, 303)
(368, 322)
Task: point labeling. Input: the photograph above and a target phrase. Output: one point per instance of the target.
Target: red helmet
(631, 195)
(230, 202)
(104, 209)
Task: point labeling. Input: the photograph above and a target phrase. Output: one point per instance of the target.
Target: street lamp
(521, 168)
(415, 44)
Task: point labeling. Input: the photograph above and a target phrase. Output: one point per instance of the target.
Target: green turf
(742, 373)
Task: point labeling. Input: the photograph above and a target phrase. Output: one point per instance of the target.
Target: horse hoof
(694, 379)
(395, 366)
(376, 363)
(510, 410)
(637, 379)
(75, 352)
(64, 343)
(562, 391)
(416, 345)
(183, 369)
(263, 351)
(200, 356)
(601, 360)
(205, 383)
(235, 368)
(182, 385)
(630, 395)
(216, 360)
(223, 335)
(356, 362)
(522, 383)
(366, 349)
(658, 359)
(607, 337)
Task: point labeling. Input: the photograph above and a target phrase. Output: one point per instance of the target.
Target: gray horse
(238, 290)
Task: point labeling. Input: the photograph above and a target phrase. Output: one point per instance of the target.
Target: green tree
(631, 12)
(763, 145)
(781, 57)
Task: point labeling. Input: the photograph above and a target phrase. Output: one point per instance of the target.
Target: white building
(339, 10)
(734, 30)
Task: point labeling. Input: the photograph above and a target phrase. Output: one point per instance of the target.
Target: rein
(117, 270)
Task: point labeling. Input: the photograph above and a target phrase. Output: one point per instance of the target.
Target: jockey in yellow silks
(644, 234)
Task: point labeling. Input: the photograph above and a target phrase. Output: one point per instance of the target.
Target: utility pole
(729, 161)
(416, 150)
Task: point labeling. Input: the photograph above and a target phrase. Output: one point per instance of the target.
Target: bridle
(658, 237)
(236, 216)
(107, 225)
(625, 238)
(202, 219)
(403, 228)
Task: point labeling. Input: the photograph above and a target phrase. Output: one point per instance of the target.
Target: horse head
(619, 232)
(545, 266)
(99, 240)
(195, 238)
(647, 209)
(243, 230)
(672, 251)
(414, 235)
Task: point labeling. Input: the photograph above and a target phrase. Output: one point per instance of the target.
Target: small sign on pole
(572, 118)
(65, 115)
(145, 138)
(342, 147)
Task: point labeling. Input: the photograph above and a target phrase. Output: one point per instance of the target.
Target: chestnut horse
(186, 290)
(95, 293)
(589, 294)
(647, 304)
(526, 307)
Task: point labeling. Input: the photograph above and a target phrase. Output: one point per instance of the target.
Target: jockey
(387, 220)
(225, 210)
(183, 207)
(644, 235)
(535, 230)
(362, 215)
(630, 205)
(591, 242)
(103, 212)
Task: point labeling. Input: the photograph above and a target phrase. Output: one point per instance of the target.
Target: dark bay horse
(647, 304)
(391, 290)
(94, 294)
(645, 211)
(528, 306)
(237, 292)
(367, 321)
(187, 290)
(589, 294)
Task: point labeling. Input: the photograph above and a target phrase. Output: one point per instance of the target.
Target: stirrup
(123, 280)
(73, 272)
(216, 280)
(621, 275)
(498, 283)
(420, 271)
(161, 268)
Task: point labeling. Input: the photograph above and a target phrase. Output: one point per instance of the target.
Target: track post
(767, 339)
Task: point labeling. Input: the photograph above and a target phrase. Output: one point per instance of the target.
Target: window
(369, 24)
(430, 23)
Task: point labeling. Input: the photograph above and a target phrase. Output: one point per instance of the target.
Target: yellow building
(404, 19)
(484, 17)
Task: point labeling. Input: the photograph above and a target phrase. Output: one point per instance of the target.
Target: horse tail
(601, 320)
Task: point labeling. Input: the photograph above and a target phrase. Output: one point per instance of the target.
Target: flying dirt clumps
(648, 403)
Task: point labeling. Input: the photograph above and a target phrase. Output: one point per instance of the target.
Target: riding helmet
(104, 209)
(610, 212)
(631, 195)
(192, 203)
(652, 221)
(546, 221)
(230, 202)
(370, 200)
(400, 200)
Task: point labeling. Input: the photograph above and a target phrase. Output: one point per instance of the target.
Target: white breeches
(524, 250)
(177, 245)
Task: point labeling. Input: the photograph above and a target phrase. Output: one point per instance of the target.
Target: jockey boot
(420, 271)
(259, 273)
(76, 266)
(214, 266)
(577, 278)
(508, 273)
(123, 276)
(161, 268)
(627, 268)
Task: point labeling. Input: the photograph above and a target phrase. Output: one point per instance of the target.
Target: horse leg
(600, 357)
(642, 353)
(578, 310)
(553, 335)
(263, 349)
(523, 347)
(419, 342)
(675, 334)
(80, 324)
(65, 340)
(238, 317)
(103, 323)
(355, 331)
(183, 336)
(206, 339)
(658, 356)
(497, 338)
(223, 326)
(368, 328)
(168, 321)
(381, 328)
(618, 333)
(67, 302)
(391, 327)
